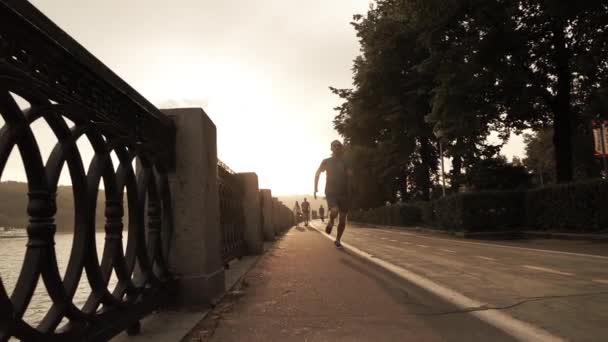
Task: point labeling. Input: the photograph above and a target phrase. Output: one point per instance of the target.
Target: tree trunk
(403, 187)
(562, 140)
(426, 160)
(563, 129)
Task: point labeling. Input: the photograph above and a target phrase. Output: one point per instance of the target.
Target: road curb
(518, 329)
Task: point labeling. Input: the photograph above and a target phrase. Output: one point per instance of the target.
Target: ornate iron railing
(232, 219)
(58, 78)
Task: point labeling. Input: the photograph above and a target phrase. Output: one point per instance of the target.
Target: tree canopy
(456, 70)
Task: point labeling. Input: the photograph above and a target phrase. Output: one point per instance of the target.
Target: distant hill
(13, 207)
(290, 201)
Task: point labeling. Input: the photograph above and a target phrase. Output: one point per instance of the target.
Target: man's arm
(317, 175)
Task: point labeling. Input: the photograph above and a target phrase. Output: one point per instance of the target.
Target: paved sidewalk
(304, 289)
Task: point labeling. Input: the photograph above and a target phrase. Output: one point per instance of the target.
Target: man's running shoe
(338, 244)
(328, 229)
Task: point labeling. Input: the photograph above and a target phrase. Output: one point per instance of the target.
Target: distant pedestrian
(322, 213)
(337, 188)
(306, 211)
(297, 212)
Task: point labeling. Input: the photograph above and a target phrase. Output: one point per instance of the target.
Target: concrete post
(283, 218)
(267, 225)
(254, 237)
(195, 247)
(275, 216)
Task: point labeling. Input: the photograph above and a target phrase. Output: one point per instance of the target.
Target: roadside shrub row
(575, 207)
(393, 215)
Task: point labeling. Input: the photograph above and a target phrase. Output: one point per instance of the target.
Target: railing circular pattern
(141, 270)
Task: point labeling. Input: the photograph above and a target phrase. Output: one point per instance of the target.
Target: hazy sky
(260, 69)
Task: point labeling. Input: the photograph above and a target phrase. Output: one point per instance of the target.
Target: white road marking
(423, 246)
(601, 281)
(485, 258)
(447, 250)
(393, 240)
(518, 329)
(500, 246)
(406, 243)
(548, 270)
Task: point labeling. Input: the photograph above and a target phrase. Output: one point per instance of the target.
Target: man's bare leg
(341, 226)
(333, 213)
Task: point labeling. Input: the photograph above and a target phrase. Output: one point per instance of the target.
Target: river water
(12, 251)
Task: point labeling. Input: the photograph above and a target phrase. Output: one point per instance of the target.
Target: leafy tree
(498, 174)
(538, 62)
(457, 70)
(539, 156)
(386, 110)
(540, 149)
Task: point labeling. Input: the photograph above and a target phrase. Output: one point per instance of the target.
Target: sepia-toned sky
(260, 69)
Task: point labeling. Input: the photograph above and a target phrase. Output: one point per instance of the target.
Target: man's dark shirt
(337, 177)
(305, 207)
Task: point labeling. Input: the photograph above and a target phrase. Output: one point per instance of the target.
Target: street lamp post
(439, 134)
(442, 166)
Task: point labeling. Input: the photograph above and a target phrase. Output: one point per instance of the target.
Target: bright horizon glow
(261, 71)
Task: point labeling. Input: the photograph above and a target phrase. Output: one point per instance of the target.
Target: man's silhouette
(322, 213)
(297, 213)
(306, 211)
(337, 188)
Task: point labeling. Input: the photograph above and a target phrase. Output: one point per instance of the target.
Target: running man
(306, 211)
(337, 188)
(322, 213)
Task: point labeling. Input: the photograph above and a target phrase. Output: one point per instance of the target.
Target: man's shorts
(339, 201)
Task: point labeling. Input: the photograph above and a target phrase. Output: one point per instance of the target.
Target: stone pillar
(195, 247)
(284, 221)
(275, 216)
(254, 237)
(284, 218)
(267, 225)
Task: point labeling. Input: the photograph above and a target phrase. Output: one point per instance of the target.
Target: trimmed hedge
(391, 215)
(575, 207)
(410, 214)
(481, 211)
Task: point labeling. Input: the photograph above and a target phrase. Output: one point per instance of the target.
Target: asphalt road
(557, 286)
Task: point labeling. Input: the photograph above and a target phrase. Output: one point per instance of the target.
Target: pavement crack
(510, 306)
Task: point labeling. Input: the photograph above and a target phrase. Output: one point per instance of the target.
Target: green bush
(481, 211)
(427, 212)
(409, 215)
(392, 215)
(575, 207)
